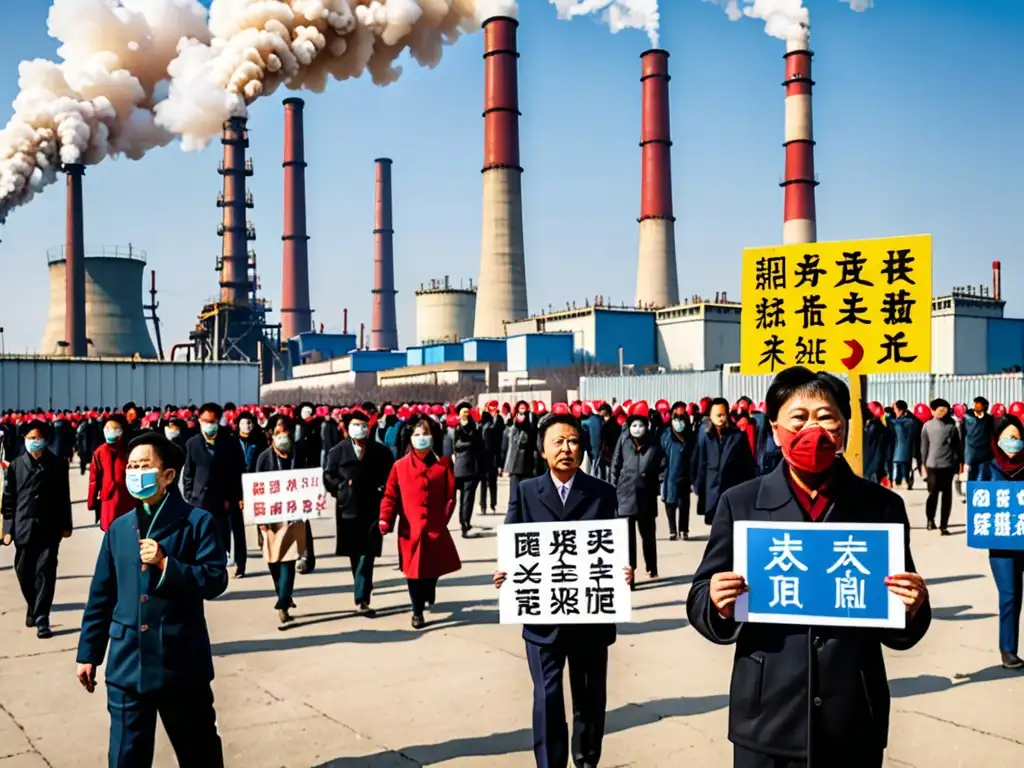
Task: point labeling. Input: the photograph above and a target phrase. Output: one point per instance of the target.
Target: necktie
(564, 493)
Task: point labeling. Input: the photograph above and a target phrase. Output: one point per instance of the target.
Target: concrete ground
(347, 692)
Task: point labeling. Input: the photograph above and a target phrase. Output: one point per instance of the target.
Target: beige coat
(283, 542)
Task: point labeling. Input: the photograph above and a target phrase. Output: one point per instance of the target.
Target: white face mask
(172, 433)
(637, 429)
(306, 412)
(358, 431)
(283, 442)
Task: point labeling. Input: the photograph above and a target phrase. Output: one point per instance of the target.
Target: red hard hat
(922, 411)
(587, 410)
(998, 410)
(1016, 408)
(437, 410)
(539, 406)
(959, 410)
(762, 407)
(576, 409)
(452, 420)
(663, 406)
(621, 418)
(404, 413)
(640, 409)
(876, 409)
(560, 408)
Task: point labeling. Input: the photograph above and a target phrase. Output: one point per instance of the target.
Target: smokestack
(502, 281)
(657, 281)
(74, 267)
(344, 315)
(799, 217)
(384, 330)
(296, 315)
(234, 229)
(362, 336)
(997, 281)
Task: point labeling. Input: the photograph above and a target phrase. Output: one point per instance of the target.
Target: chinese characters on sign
(995, 515)
(564, 573)
(280, 497)
(860, 306)
(819, 573)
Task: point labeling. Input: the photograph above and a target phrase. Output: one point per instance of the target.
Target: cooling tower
(657, 282)
(799, 217)
(74, 314)
(384, 330)
(502, 280)
(113, 302)
(444, 313)
(296, 315)
(235, 287)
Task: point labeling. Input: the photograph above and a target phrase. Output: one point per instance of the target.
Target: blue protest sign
(995, 515)
(819, 573)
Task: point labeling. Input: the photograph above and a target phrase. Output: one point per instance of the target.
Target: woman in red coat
(108, 494)
(420, 494)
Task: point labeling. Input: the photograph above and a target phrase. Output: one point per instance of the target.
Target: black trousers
(466, 487)
(189, 720)
(588, 683)
(940, 483)
(421, 592)
(489, 488)
(308, 558)
(232, 533)
(36, 568)
(647, 526)
(864, 758)
(679, 511)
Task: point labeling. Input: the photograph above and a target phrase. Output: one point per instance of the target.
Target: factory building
(699, 336)
(598, 332)
(114, 323)
(444, 312)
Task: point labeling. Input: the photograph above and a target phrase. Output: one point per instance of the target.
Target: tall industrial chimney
(235, 287)
(502, 282)
(384, 330)
(997, 281)
(799, 217)
(74, 274)
(296, 315)
(657, 281)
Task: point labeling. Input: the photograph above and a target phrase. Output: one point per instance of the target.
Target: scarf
(1008, 465)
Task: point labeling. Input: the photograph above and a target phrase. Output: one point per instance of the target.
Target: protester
(904, 435)
(252, 439)
(36, 510)
(492, 431)
(565, 494)
(108, 495)
(155, 569)
(470, 458)
(677, 445)
(357, 471)
(978, 431)
(942, 458)
(801, 695)
(419, 499)
(1008, 565)
(308, 441)
(722, 459)
(519, 447)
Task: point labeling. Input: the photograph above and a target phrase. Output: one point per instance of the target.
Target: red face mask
(811, 449)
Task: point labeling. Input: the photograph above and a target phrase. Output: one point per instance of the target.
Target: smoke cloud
(859, 5)
(618, 14)
(97, 102)
(784, 19)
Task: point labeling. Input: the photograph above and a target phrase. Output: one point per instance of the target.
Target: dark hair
(419, 418)
(463, 404)
(679, 405)
(983, 401)
(604, 408)
(938, 402)
(800, 380)
(39, 424)
(170, 455)
(118, 418)
(245, 415)
(280, 418)
(901, 404)
(1007, 420)
(213, 408)
(229, 406)
(551, 420)
(719, 401)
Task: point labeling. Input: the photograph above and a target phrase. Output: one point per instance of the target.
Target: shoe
(1012, 661)
(30, 621)
(239, 573)
(652, 574)
(672, 537)
(417, 621)
(930, 526)
(944, 531)
(364, 609)
(43, 632)
(301, 567)
(686, 536)
(465, 533)
(283, 616)
(429, 605)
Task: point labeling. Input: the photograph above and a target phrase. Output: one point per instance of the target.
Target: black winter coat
(37, 500)
(519, 450)
(358, 487)
(212, 478)
(636, 475)
(468, 452)
(783, 673)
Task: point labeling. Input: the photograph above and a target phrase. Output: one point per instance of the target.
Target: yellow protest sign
(858, 306)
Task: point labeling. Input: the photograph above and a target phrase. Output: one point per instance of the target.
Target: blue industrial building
(373, 360)
(599, 333)
(312, 347)
(538, 351)
(484, 350)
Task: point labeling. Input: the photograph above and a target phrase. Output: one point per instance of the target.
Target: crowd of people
(166, 487)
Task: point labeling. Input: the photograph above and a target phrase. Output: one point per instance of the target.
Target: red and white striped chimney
(384, 329)
(296, 315)
(799, 217)
(997, 281)
(657, 281)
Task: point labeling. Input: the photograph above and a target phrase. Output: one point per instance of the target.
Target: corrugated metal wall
(29, 382)
(693, 385)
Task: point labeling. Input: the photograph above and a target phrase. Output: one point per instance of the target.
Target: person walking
(419, 500)
(978, 434)
(941, 459)
(357, 471)
(677, 445)
(155, 569)
(904, 435)
(470, 457)
(519, 449)
(108, 495)
(492, 430)
(36, 509)
(722, 459)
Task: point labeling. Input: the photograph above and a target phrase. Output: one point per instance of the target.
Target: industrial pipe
(799, 215)
(997, 281)
(74, 266)
(384, 328)
(234, 276)
(296, 315)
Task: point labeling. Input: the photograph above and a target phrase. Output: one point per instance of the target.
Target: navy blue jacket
(978, 438)
(535, 500)
(676, 481)
(718, 465)
(155, 619)
(904, 433)
(212, 478)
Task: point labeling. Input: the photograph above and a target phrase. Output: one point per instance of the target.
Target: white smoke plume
(859, 5)
(784, 19)
(618, 14)
(97, 102)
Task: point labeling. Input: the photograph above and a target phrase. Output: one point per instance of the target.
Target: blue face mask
(35, 446)
(142, 483)
(111, 435)
(678, 425)
(422, 442)
(1011, 446)
(209, 429)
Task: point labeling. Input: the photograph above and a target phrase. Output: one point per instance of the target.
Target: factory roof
(56, 253)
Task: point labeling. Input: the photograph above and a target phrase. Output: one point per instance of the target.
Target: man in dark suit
(565, 494)
(37, 514)
(723, 459)
(212, 480)
(155, 568)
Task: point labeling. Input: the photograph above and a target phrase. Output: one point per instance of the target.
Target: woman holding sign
(807, 695)
(1008, 565)
(283, 543)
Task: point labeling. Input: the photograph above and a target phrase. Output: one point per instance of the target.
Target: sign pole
(855, 439)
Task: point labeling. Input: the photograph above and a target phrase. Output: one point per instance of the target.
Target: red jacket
(422, 498)
(107, 490)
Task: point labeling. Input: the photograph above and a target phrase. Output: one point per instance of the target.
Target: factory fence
(54, 383)
(690, 386)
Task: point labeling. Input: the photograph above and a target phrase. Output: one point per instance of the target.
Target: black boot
(1012, 661)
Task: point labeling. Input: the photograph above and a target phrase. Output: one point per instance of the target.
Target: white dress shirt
(559, 485)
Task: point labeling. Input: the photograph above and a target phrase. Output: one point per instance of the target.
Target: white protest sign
(281, 497)
(564, 573)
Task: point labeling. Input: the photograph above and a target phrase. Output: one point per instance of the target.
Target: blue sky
(919, 113)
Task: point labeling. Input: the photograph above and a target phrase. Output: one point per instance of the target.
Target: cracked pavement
(340, 691)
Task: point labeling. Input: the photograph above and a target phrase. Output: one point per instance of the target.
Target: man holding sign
(566, 495)
(804, 572)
